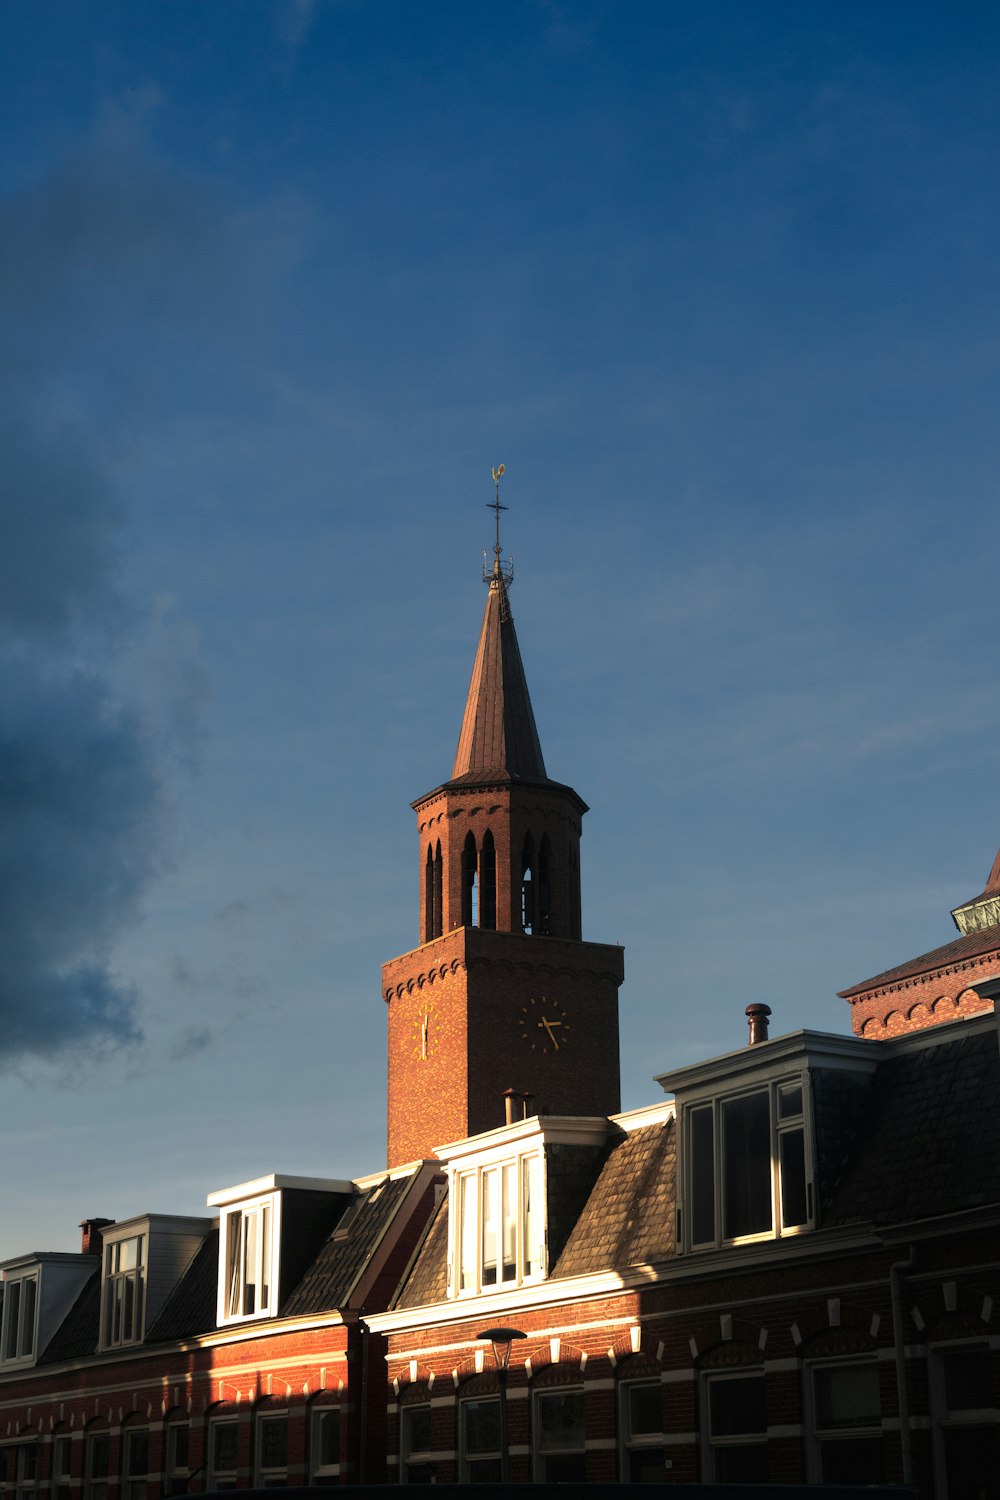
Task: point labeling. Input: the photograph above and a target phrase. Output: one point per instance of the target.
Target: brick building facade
(786, 1268)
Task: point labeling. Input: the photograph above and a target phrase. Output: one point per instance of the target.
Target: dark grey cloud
(78, 839)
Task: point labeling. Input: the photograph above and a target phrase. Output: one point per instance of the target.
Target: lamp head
(501, 1339)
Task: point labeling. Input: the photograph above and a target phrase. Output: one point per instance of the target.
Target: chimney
(90, 1235)
(757, 1015)
(515, 1105)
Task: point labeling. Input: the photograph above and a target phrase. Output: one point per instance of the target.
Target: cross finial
(495, 506)
(500, 570)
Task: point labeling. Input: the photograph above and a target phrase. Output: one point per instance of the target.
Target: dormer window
(500, 1238)
(746, 1163)
(17, 1336)
(248, 1254)
(124, 1279)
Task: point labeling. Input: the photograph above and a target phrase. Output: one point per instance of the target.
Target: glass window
(848, 1420)
(123, 1287)
(325, 1453)
(737, 1429)
(966, 1429)
(559, 1437)
(178, 1446)
(136, 1469)
(61, 1458)
(98, 1455)
(480, 1438)
(26, 1470)
(249, 1288)
(641, 1425)
(746, 1159)
(500, 1235)
(415, 1445)
(223, 1447)
(272, 1451)
(17, 1340)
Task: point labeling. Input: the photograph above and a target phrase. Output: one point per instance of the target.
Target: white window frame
(818, 1436)
(538, 1457)
(415, 1456)
(469, 1233)
(230, 1477)
(961, 1418)
(317, 1468)
(26, 1331)
(713, 1443)
(465, 1458)
(264, 1213)
(25, 1473)
(630, 1442)
(118, 1281)
(274, 1476)
(779, 1128)
(134, 1486)
(176, 1477)
(96, 1486)
(59, 1479)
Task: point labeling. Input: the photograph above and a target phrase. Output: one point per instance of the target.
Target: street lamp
(501, 1339)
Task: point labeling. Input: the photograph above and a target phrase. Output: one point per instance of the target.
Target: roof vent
(757, 1015)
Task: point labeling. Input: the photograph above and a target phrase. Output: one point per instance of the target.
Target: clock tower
(502, 993)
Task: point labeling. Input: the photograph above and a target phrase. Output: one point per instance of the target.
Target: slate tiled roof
(967, 946)
(328, 1283)
(191, 1307)
(78, 1332)
(629, 1217)
(428, 1280)
(928, 1141)
(498, 738)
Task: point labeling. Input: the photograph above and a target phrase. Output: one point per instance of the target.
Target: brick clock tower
(502, 993)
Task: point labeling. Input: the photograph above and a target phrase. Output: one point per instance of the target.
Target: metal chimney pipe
(757, 1015)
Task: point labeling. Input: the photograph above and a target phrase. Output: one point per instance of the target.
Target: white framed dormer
(250, 1237)
(497, 1194)
(747, 1159)
(38, 1291)
(142, 1260)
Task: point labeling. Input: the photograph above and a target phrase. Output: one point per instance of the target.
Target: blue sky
(282, 281)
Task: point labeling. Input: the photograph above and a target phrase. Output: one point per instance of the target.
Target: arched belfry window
(543, 899)
(528, 884)
(470, 883)
(488, 882)
(432, 894)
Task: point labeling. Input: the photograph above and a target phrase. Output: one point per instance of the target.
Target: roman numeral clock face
(545, 1026)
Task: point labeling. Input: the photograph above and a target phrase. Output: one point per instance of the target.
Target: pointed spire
(983, 910)
(498, 740)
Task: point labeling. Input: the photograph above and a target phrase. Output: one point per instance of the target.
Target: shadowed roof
(498, 740)
(967, 946)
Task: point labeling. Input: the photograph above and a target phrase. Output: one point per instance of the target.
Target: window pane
(273, 1443)
(482, 1426)
(560, 1421)
(702, 1130)
(968, 1379)
(12, 1307)
(741, 1463)
(178, 1445)
(60, 1458)
(224, 1446)
(250, 1263)
(264, 1299)
(644, 1408)
(789, 1101)
(646, 1466)
(467, 1212)
(26, 1342)
(137, 1453)
(509, 1184)
(792, 1158)
(329, 1437)
(99, 1449)
(534, 1218)
(491, 1225)
(234, 1234)
(736, 1407)
(416, 1429)
(852, 1461)
(847, 1396)
(746, 1146)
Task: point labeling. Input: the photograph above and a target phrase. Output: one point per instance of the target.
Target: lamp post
(501, 1339)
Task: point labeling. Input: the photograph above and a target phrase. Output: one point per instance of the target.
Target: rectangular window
(479, 1424)
(223, 1445)
(136, 1466)
(27, 1471)
(178, 1449)
(643, 1456)
(966, 1431)
(61, 1458)
(848, 1422)
(17, 1338)
(325, 1444)
(500, 1233)
(736, 1429)
(415, 1445)
(123, 1287)
(248, 1258)
(272, 1452)
(98, 1455)
(559, 1456)
(746, 1166)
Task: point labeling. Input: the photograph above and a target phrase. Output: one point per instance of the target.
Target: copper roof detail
(498, 740)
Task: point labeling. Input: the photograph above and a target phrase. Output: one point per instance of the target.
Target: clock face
(425, 1033)
(544, 1025)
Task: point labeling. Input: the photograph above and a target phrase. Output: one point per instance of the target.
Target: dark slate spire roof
(499, 741)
